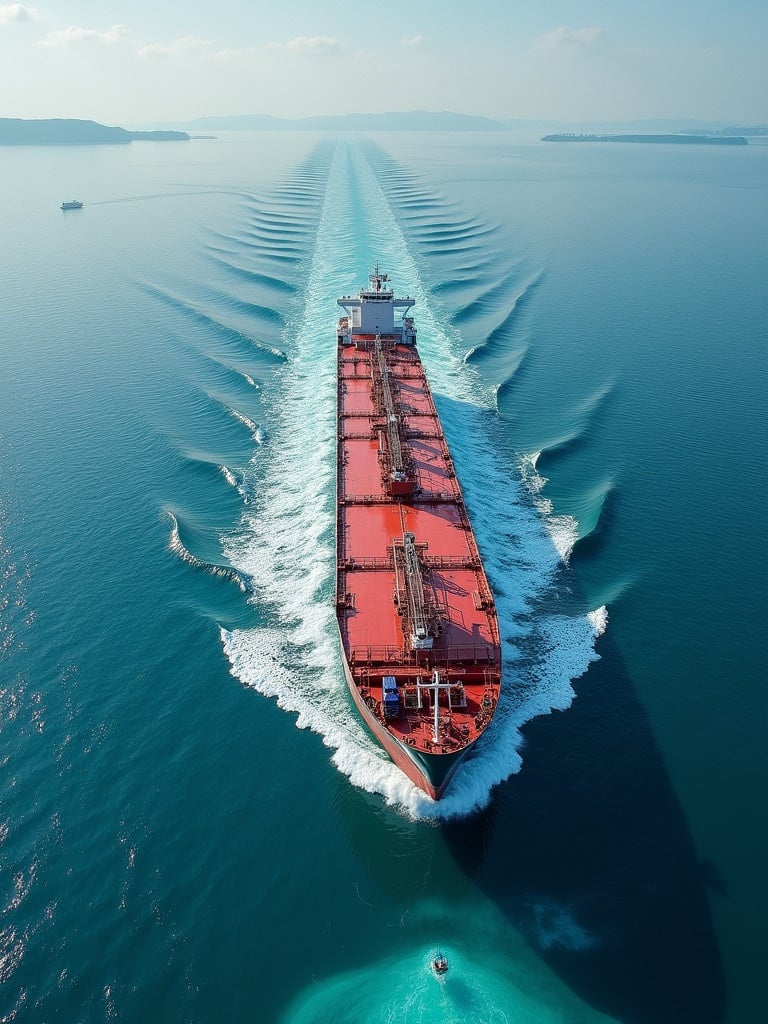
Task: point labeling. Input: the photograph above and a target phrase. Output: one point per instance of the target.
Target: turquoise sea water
(172, 846)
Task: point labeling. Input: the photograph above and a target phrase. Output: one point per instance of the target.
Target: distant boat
(440, 963)
(73, 204)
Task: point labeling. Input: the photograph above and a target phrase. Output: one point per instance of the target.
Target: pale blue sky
(129, 63)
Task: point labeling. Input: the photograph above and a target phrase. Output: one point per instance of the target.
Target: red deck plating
(415, 613)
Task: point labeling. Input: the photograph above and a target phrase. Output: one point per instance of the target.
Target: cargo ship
(417, 619)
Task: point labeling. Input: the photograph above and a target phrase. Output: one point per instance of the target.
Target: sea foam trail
(285, 543)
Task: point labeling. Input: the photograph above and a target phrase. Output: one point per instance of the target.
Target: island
(675, 140)
(15, 131)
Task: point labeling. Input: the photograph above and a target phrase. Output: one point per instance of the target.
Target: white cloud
(245, 53)
(412, 41)
(568, 40)
(17, 12)
(178, 48)
(75, 35)
(307, 44)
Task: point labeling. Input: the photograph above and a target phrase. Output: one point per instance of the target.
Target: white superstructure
(373, 311)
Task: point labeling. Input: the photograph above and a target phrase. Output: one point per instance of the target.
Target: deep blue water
(172, 846)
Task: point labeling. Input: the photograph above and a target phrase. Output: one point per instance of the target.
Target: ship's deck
(466, 646)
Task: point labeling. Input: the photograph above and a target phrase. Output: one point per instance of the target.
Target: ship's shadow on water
(587, 852)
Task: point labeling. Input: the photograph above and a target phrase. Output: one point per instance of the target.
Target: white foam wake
(256, 432)
(285, 543)
(178, 547)
(563, 529)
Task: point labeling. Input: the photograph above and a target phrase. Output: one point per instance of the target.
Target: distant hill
(412, 121)
(15, 131)
(676, 140)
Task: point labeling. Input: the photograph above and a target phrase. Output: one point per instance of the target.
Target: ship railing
(450, 562)
(351, 564)
(434, 562)
(366, 499)
(439, 497)
(358, 435)
(418, 498)
(418, 434)
(454, 655)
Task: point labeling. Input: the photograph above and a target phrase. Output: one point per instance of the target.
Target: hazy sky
(127, 63)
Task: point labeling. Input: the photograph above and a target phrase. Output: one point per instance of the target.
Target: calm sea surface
(172, 846)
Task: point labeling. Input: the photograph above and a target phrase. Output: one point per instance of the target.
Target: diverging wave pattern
(284, 543)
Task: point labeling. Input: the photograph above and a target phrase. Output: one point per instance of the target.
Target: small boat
(440, 963)
(73, 204)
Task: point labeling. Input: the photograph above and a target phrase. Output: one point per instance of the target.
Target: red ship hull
(431, 774)
(416, 617)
